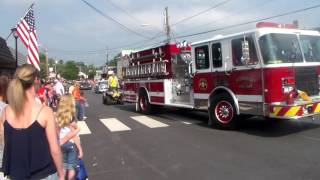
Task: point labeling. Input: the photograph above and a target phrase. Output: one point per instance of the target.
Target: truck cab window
(202, 57)
(310, 48)
(216, 55)
(280, 48)
(237, 56)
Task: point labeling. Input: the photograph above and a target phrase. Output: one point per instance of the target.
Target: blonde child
(71, 150)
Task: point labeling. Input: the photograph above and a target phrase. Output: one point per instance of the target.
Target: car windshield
(280, 48)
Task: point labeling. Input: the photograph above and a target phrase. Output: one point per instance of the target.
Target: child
(71, 150)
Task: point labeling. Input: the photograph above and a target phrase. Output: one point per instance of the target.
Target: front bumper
(297, 110)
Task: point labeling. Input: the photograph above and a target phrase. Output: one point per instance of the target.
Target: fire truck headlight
(287, 89)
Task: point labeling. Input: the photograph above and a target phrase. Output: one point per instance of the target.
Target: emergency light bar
(275, 25)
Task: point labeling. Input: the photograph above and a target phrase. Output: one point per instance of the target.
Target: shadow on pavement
(275, 127)
(257, 126)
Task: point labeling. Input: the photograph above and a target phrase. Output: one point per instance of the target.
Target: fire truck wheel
(143, 103)
(222, 112)
(104, 100)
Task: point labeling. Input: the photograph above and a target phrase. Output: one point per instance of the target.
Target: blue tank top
(26, 153)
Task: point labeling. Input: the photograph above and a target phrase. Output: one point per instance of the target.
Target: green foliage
(92, 73)
(69, 71)
(113, 61)
(42, 58)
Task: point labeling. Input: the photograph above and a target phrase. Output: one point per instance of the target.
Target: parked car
(85, 86)
(101, 87)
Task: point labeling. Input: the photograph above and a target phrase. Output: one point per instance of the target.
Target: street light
(15, 35)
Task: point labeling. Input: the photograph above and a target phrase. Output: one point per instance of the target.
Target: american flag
(26, 30)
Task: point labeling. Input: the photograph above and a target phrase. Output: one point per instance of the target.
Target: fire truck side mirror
(245, 59)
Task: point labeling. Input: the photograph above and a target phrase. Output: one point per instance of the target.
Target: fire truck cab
(271, 71)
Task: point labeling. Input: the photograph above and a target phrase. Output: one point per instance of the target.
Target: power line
(102, 51)
(113, 20)
(252, 21)
(201, 12)
(128, 14)
(228, 17)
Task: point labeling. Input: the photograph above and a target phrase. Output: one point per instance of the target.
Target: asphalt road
(186, 148)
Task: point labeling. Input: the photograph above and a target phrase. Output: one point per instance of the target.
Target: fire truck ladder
(153, 69)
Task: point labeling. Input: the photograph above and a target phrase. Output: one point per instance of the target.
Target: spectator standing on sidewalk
(71, 150)
(4, 81)
(41, 93)
(31, 148)
(58, 91)
(76, 93)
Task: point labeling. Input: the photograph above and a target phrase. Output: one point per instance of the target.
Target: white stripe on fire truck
(144, 81)
(114, 124)
(129, 92)
(149, 122)
(157, 94)
(84, 129)
(201, 96)
(249, 98)
(246, 98)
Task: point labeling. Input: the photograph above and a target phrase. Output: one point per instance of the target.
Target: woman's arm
(51, 132)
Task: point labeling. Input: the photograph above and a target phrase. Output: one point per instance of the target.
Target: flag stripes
(26, 30)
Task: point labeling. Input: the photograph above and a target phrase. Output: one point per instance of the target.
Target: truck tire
(108, 100)
(104, 100)
(143, 103)
(222, 112)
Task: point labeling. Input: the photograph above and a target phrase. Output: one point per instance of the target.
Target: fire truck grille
(307, 80)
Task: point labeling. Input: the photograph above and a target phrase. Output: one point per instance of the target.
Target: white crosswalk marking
(147, 121)
(114, 124)
(84, 129)
(186, 122)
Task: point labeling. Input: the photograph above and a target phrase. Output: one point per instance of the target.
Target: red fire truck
(271, 71)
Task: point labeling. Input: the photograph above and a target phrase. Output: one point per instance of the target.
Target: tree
(113, 61)
(42, 58)
(70, 70)
(91, 71)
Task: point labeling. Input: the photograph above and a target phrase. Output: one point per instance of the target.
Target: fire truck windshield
(310, 47)
(280, 48)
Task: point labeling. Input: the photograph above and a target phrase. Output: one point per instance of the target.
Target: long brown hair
(23, 80)
(4, 82)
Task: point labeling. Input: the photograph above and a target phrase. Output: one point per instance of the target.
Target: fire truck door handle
(191, 74)
(225, 69)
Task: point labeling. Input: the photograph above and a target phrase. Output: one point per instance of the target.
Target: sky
(72, 30)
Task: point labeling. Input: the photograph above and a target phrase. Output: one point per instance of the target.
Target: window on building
(202, 57)
(238, 55)
(216, 55)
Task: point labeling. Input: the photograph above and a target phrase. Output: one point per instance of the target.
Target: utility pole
(167, 26)
(107, 63)
(107, 53)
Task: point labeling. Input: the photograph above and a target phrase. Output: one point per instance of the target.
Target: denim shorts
(79, 110)
(70, 156)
